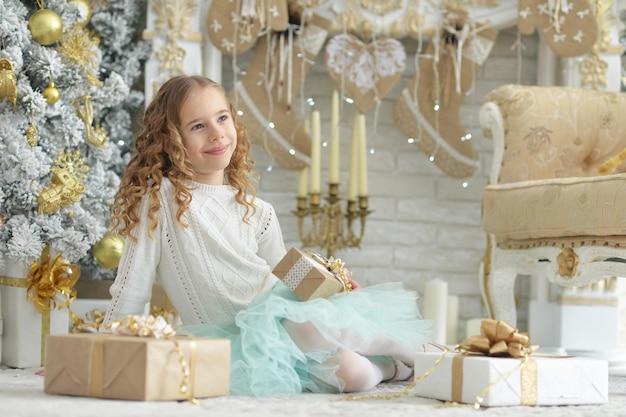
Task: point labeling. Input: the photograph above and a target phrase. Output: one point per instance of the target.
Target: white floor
(21, 395)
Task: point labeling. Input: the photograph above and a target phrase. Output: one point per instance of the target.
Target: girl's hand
(355, 285)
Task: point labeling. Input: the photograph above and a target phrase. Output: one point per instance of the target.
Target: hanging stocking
(267, 92)
(428, 109)
(365, 72)
(233, 26)
(569, 27)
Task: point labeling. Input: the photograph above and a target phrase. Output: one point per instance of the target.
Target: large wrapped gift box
(543, 380)
(136, 368)
(306, 276)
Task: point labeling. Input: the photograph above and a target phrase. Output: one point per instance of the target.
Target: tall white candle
(354, 160)
(333, 170)
(362, 157)
(316, 143)
(435, 308)
(303, 182)
(452, 319)
(472, 327)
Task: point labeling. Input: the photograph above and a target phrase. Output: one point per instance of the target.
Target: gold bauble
(51, 93)
(108, 251)
(86, 8)
(45, 26)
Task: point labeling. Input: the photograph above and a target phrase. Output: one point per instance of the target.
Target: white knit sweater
(210, 269)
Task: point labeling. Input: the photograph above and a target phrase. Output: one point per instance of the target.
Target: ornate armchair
(555, 204)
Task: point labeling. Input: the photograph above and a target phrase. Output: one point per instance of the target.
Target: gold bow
(335, 267)
(48, 279)
(497, 338)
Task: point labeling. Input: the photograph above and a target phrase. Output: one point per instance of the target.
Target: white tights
(358, 372)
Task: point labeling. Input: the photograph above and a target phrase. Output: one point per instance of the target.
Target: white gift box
(543, 380)
(23, 336)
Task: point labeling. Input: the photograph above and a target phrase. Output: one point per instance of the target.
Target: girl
(191, 220)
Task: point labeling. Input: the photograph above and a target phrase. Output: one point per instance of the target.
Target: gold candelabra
(331, 228)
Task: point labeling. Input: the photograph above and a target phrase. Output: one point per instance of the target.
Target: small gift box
(515, 376)
(127, 367)
(312, 276)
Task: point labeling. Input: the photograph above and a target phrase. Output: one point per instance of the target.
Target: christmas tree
(66, 107)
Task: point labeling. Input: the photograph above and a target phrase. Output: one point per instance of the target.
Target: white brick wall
(424, 224)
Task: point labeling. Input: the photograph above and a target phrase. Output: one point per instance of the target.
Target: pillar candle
(354, 160)
(435, 308)
(303, 182)
(316, 143)
(362, 157)
(472, 327)
(452, 315)
(333, 171)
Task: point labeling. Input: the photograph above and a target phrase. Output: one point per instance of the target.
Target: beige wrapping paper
(135, 368)
(306, 277)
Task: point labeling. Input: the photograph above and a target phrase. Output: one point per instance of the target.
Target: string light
(269, 168)
(310, 101)
(292, 151)
(465, 184)
(271, 125)
(239, 113)
(410, 140)
(431, 158)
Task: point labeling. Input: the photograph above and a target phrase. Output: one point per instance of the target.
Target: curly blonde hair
(159, 152)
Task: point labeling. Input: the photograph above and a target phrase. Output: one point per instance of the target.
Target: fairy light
(239, 113)
(432, 158)
(465, 184)
(410, 140)
(292, 151)
(349, 100)
(269, 168)
(271, 125)
(310, 101)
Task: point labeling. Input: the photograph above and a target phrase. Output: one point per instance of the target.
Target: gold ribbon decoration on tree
(48, 280)
(497, 338)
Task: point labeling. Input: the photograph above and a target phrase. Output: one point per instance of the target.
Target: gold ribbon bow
(335, 267)
(497, 338)
(47, 280)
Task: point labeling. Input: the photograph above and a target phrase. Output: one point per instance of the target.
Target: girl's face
(208, 132)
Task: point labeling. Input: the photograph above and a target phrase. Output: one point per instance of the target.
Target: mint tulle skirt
(265, 360)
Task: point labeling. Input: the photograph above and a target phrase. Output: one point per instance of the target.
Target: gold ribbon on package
(499, 339)
(45, 282)
(335, 267)
(145, 326)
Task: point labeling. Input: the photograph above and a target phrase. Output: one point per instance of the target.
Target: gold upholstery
(547, 210)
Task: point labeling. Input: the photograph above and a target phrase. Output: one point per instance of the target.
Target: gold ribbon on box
(336, 267)
(46, 281)
(499, 339)
(144, 326)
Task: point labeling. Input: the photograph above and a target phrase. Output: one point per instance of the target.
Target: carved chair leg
(501, 286)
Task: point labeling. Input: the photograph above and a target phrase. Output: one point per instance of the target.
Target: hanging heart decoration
(365, 72)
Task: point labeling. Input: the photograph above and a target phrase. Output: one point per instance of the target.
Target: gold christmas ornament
(82, 49)
(98, 136)
(66, 186)
(108, 251)
(46, 26)
(32, 133)
(84, 6)
(8, 82)
(51, 93)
